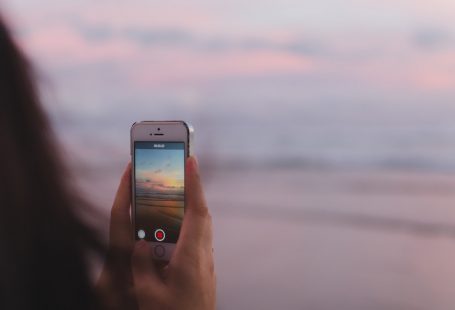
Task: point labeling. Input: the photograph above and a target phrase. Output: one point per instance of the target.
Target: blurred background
(325, 131)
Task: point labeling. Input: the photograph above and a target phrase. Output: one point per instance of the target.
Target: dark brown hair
(43, 242)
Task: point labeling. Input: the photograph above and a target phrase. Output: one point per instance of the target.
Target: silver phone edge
(190, 138)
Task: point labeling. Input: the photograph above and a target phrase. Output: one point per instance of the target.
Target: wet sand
(334, 239)
(152, 214)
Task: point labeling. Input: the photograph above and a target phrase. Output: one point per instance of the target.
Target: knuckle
(201, 211)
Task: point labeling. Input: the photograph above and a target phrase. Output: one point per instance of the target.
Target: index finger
(196, 229)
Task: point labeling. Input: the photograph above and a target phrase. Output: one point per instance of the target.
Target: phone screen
(159, 190)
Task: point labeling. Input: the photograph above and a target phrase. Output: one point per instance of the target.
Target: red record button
(159, 234)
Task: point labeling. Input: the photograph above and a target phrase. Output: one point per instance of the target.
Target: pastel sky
(160, 170)
(164, 43)
(336, 71)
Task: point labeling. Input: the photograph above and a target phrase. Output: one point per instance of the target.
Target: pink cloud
(61, 44)
(392, 62)
(176, 66)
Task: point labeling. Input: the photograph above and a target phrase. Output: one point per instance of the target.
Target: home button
(159, 251)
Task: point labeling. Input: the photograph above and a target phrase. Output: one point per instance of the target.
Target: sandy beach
(334, 239)
(330, 239)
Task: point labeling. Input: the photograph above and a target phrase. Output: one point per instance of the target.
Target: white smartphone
(158, 154)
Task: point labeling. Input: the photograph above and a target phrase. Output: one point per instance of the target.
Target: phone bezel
(170, 131)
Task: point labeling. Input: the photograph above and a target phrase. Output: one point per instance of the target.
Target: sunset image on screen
(159, 186)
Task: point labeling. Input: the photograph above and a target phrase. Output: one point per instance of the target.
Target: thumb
(146, 279)
(120, 229)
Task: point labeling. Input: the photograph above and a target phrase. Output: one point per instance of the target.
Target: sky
(312, 79)
(156, 44)
(160, 170)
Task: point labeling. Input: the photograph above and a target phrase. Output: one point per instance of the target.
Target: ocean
(330, 216)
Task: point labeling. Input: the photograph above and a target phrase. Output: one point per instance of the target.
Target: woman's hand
(188, 281)
(115, 285)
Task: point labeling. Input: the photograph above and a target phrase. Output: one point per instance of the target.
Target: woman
(44, 243)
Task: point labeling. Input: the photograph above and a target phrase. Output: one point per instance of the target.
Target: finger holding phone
(170, 221)
(188, 281)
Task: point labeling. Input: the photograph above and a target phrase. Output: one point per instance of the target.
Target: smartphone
(158, 154)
